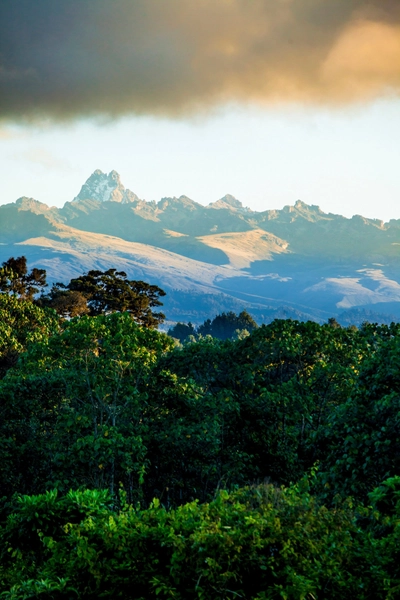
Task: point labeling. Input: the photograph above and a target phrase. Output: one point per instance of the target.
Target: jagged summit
(213, 256)
(301, 206)
(25, 203)
(224, 215)
(183, 202)
(34, 206)
(105, 188)
(228, 201)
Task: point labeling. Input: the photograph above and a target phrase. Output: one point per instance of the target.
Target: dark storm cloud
(64, 59)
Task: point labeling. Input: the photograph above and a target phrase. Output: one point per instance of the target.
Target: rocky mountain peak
(303, 211)
(302, 206)
(32, 205)
(181, 203)
(228, 201)
(105, 188)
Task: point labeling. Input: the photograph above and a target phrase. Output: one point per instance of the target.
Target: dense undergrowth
(264, 467)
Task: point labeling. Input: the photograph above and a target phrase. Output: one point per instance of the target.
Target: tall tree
(225, 325)
(15, 279)
(67, 303)
(107, 292)
(182, 331)
(74, 412)
(21, 323)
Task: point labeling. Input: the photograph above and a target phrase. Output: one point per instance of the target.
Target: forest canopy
(261, 466)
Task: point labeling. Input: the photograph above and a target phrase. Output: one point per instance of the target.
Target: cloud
(45, 159)
(7, 134)
(365, 60)
(77, 58)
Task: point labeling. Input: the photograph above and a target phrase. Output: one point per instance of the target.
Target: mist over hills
(296, 262)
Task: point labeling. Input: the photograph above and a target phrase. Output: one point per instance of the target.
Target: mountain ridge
(297, 256)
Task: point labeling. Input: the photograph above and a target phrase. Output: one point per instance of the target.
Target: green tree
(259, 543)
(182, 331)
(226, 325)
(107, 292)
(15, 279)
(67, 303)
(272, 395)
(22, 323)
(362, 439)
(75, 409)
(333, 322)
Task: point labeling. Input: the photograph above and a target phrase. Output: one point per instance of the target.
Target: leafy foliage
(182, 331)
(67, 303)
(271, 393)
(260, 543)
(15, 279)
(111, 291)
(225, 325)
(82, 398)
(165, 447)
(21, 323)
(363, 436)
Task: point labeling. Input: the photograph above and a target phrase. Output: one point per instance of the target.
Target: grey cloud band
(64, 59)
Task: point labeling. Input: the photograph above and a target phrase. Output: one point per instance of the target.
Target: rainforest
(261, 466)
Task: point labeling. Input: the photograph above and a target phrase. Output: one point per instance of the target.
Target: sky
(269, 100)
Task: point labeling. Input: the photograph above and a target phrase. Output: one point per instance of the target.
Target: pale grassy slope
(99, 251)
(67, 252)
(243, 248)
(217, 255)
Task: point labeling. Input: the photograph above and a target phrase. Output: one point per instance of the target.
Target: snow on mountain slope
(356, 291)
(105, 188)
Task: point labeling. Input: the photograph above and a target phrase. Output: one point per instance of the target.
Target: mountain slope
(298, 257)
(246, 247)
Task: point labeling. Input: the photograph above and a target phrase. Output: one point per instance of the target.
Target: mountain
(229, 202)
(105, 188)
(298, 261)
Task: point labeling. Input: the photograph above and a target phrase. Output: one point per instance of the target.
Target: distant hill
(298, 261)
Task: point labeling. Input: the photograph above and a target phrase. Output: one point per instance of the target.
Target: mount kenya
(298, 262)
